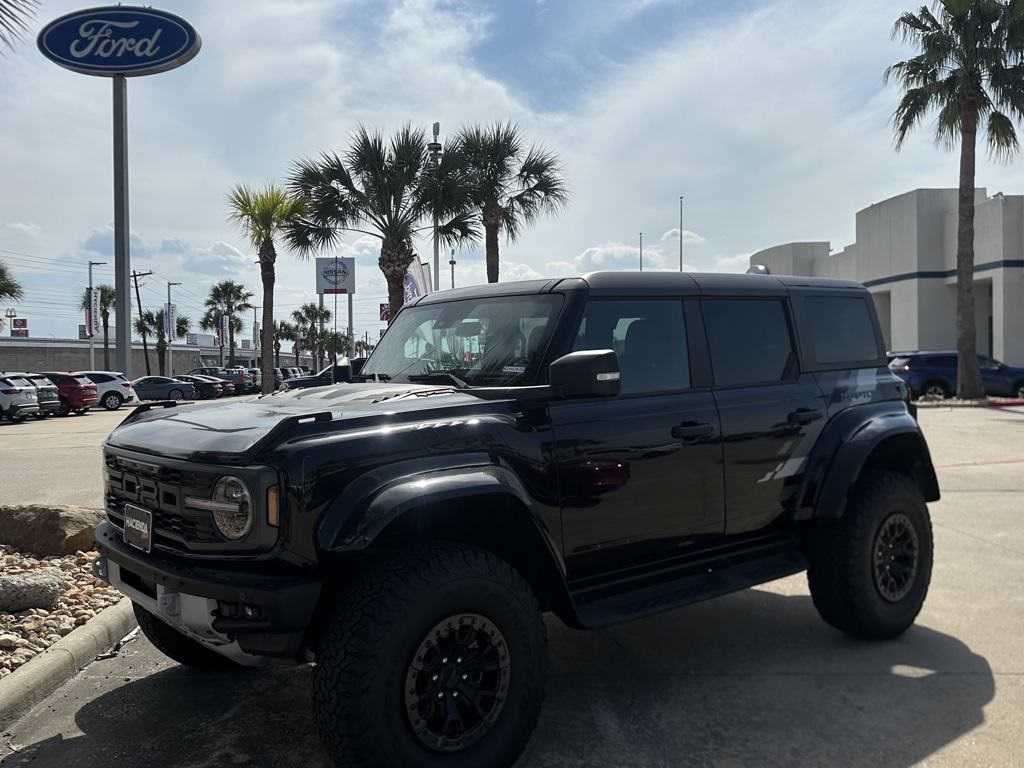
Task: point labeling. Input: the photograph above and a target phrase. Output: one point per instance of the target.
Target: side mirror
(587, 373)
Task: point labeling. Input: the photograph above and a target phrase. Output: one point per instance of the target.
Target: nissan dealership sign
(119, 40)
(336, 275)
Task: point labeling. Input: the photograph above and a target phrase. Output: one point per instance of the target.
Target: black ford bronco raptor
(603, 448)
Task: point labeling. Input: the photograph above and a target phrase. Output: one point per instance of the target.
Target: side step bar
(687, 589)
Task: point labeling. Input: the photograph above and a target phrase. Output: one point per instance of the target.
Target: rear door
(770, 412)
(641, 472)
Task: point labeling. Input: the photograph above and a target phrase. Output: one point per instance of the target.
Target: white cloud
(24, 228)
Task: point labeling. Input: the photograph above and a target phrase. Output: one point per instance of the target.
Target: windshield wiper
(434, 376)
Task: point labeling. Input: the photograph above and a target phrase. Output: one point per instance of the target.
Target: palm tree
(336, 343)
(10, 289)
(108, 301)
(389, 188)
(231, 299)
(970, 70)
(151, 323)
(263, 215)
(14, 18)
(283, 331)
(312, 318)
(512, 186)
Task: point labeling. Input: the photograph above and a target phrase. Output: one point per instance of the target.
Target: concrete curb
(952, 403)
(36, 679)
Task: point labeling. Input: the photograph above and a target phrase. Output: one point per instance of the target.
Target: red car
(77, 393)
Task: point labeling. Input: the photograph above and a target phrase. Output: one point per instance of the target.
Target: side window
(841, 330)
(649, 337)
(99, 378)
(749, 340)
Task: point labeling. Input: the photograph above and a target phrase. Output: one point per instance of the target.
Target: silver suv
(17, 398)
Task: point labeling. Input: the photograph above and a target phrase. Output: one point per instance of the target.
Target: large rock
(32, 589)
(48, 530)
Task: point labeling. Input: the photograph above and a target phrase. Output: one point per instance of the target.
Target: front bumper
(243, 615)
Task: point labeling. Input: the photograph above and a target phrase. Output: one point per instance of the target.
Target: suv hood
(238, 431)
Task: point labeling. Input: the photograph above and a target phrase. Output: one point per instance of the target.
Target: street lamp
(434, 148)
(680, 233)
(451, 261)
(641, 251)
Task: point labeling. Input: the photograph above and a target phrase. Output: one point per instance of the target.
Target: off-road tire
(359, 682)
(171, 643)
(841, 575)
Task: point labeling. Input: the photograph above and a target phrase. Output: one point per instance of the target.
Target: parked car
(17, 398)
(163, 388)
(206, 387)
(77, 393)
(341, 373)
(46, 392)
(239, 377)
(113, 388)
(278, 377)
(604, 448)
(933, 374)
(257, 379)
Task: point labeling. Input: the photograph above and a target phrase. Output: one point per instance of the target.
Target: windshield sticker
(514, 369)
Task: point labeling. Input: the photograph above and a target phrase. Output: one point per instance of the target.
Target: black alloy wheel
(935, 389)
(895, 557)
(457, 682)
(175, 394)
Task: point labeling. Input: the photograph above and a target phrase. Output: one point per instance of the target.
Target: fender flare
(845, 447)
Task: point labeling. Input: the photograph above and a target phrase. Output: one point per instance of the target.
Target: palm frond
(15, 16)
(1001, 137)
(10, 289)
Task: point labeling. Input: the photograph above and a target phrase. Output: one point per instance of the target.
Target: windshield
(483, 342)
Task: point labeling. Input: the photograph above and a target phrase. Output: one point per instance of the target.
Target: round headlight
(233, 513)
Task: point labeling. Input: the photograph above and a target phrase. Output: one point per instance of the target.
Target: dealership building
(905, 254)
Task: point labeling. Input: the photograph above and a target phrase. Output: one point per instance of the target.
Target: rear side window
(940, 361)
(750, 341)
(99, 378)
(841, 330)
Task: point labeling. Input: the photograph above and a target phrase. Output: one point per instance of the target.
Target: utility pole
(641, 251)
(92, 320)
(680, 233)
(434, 148)
(255, 338)
(451, 262)
(138, 299)
(170, 326)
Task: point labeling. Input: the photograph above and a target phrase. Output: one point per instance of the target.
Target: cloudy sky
(768, 115)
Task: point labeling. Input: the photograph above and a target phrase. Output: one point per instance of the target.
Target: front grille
(162, 491)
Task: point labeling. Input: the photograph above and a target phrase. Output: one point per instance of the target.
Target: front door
(640, 472)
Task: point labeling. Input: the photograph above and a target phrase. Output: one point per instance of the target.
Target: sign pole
(122, 257)
(351, 338)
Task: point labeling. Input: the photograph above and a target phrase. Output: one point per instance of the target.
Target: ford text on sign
(119, 40)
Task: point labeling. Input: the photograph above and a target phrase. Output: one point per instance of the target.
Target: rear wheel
(869, 571)
(175, 394)
(64, 409)
(435, 657)
(81, 411)
(1018, 390)
(14, 416)
(171, 643)
(112, 401)
(935, 389)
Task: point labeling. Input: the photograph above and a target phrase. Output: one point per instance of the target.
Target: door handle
(804, 415)
(691, 429)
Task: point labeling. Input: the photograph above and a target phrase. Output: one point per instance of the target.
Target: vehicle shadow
(754, 679)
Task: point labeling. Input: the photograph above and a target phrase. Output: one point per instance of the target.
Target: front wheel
(935, 389)
(435, 657)
(171, 643)
(869, 571)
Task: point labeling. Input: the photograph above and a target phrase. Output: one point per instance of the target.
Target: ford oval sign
(119, 40)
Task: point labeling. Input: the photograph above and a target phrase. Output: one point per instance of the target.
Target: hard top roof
(612, 283)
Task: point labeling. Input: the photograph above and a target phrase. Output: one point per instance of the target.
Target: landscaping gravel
(29, 632)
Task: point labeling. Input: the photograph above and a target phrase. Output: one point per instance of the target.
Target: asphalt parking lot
(753, 679)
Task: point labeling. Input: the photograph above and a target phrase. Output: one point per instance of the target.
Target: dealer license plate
(138, 527)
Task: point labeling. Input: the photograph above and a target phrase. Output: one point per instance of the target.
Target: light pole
(434, 148)
(92, 320)
(451, 261)
(680, 233)
(170, 326)
(641, 251)
(256, 337)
